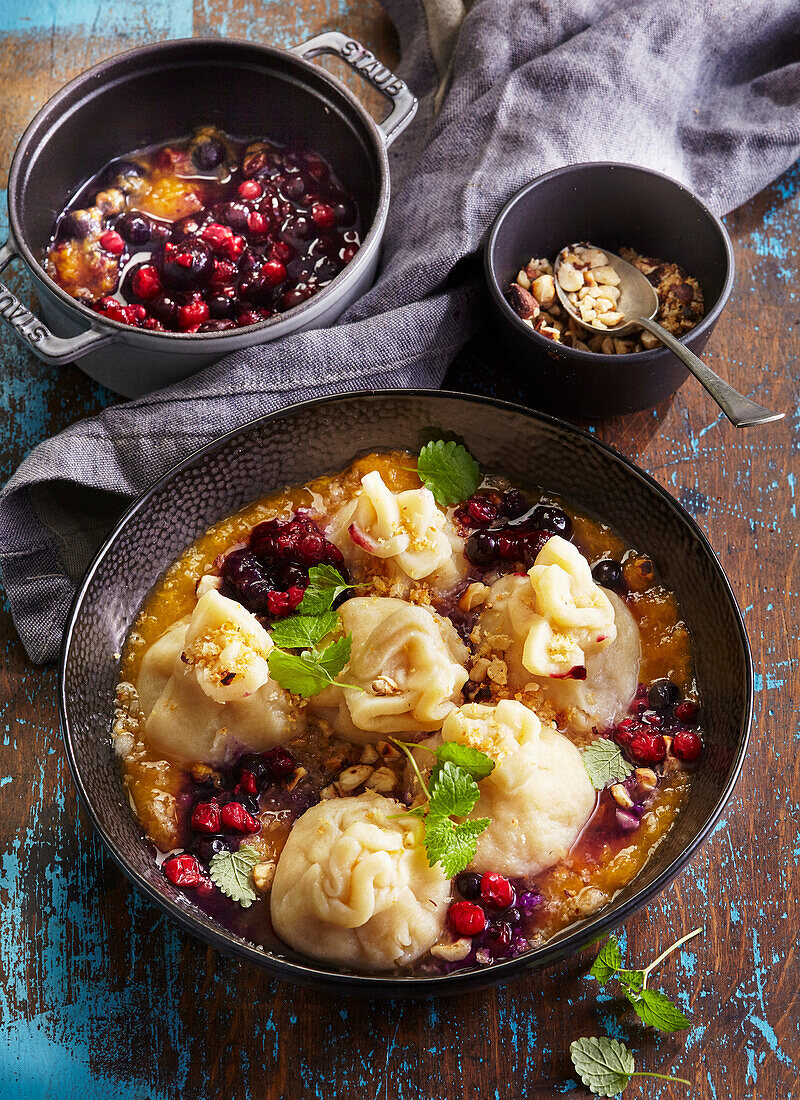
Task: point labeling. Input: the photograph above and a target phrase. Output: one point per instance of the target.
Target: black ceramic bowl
(292, 446)
(611, 205)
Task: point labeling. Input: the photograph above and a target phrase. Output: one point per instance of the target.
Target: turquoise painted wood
(101, 996)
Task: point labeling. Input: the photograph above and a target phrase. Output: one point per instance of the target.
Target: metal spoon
(639, 303)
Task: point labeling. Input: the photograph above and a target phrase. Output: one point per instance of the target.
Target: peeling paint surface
(101, 995)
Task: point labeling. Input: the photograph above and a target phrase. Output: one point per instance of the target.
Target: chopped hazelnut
(620, 795)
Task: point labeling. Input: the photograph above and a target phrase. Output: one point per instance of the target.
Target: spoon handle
(740, 410)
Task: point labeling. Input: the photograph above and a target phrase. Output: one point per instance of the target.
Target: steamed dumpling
(539, 795)
(406, 530)
(408, 660)
(558, 629)
(204, 686)
(353, 885)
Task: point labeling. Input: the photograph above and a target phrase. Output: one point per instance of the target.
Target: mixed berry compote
(204, 234)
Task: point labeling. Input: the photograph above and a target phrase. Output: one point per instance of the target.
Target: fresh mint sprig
(650, 1005)
(606, 1066)
(451, 792)
(313, 669)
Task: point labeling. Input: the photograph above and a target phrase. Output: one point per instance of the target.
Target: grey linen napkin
(707, 91)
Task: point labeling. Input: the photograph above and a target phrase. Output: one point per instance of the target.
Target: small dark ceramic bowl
(292, 446)
(611, 205)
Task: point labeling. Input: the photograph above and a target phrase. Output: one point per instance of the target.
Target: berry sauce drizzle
(205, 234)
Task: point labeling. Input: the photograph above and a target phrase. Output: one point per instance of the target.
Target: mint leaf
(232, 872)
(604, 1065)
(325, 585)
(303, 631)
(603, 762)
(453, 845)
(470, 760)
(631, 979)
(608, 961)
(454, 792)
(449, 471)
(311, 671)
(334, 657)
(657, 1010)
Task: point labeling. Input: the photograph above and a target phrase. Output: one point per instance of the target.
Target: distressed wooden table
(100, 995)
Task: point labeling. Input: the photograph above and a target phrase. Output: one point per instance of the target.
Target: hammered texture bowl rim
(576, 354)
(567, 942)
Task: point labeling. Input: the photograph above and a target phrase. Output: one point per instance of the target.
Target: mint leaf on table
(453, 845)
(603, 762)
(608, 962)
(475, 763)
(303, 631)
(604, 1065)
(232, 872)
(449, 471)
(311, 671)
(658, 1011)
(325, 585)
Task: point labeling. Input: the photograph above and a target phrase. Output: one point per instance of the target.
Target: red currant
(112, 242)
(496, 890)
(205, 817)
(192, 315)
(466, 919)
(648, 748)
(183, 870)
(250, 189)
(234, 816)
(687, 746)
(146, 282)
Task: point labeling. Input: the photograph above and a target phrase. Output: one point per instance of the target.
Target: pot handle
(366, 64)
(27, 326)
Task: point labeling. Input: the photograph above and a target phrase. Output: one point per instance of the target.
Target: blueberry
(257, 765)
(165, 310)
(481, 548)
(608, 574)
(188, 265)
(550, 518)
(469, 885)
(249, 801)
(133, 228)
(120, 171)
(216, 326)
(208, 154)
(249, 578)
(221, 307)
(663, 693)
(531, 543)
(513, 916)
(514, 504)
(206, 847)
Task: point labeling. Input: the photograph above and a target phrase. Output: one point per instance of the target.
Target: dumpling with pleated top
(353, 885)
(557, 629)
(539, 795)
(408, 663)
(205, 687)
(406, 532)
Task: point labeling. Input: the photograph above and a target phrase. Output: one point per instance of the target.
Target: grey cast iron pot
(155, 93)
(611, 205)
(289, 448)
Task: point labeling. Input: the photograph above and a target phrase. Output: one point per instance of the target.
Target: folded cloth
(706, 92)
